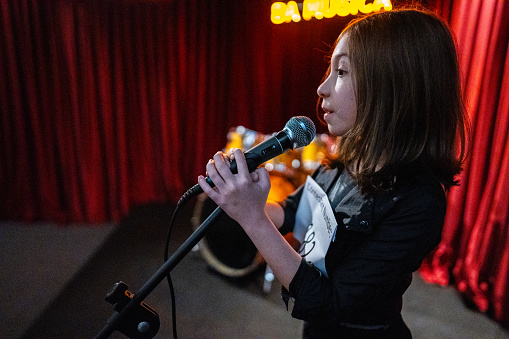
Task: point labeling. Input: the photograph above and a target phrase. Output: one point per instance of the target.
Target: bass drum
(225, 246)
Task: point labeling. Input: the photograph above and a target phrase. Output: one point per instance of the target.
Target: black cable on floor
(168, 277)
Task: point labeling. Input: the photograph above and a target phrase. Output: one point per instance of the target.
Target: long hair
(410, 113)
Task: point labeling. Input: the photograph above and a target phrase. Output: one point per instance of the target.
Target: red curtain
(474, 252)
(109, 104)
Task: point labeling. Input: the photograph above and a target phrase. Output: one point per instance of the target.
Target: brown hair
(410, 113)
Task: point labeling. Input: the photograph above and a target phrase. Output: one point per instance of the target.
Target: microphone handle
(262, 152)
(253, 160)
(255, 156)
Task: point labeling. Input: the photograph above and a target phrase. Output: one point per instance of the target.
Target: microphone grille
(302, 130)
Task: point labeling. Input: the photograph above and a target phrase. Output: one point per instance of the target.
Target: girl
(392, 93)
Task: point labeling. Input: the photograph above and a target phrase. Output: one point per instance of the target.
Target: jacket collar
(355, 210)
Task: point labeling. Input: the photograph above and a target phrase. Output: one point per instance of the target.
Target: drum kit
(225, 247)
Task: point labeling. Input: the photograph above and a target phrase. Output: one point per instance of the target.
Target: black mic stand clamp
(142, 322)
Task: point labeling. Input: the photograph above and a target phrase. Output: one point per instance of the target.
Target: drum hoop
(210, 258)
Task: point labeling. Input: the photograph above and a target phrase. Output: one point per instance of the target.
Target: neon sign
(281, 12)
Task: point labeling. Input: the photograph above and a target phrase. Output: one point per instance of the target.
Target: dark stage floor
(210, 305)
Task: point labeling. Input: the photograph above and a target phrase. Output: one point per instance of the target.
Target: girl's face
(337, 92)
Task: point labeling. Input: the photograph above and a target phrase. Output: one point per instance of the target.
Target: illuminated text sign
(281, 12)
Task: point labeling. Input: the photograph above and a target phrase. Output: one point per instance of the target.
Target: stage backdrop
(109, 104)
(105, 105)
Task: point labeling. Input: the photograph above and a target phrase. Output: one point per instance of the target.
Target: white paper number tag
(315, 224)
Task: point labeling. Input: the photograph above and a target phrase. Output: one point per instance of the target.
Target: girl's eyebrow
(337, 57)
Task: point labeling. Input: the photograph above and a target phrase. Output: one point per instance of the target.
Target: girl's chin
(329, 119)
(336, 131)
(332, 130)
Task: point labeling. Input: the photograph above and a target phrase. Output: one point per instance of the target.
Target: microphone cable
(183, 200)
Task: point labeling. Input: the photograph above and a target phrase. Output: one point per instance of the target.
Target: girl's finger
(241, 162)
(206, 187)
(213, 173)
(222, 166)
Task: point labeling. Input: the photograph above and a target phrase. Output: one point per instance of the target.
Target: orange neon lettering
(310, 8)
(292, 12)
(277, 12)
(378, 4)
(365, 8)
(281, 12)
(330, 9)
(343, 8)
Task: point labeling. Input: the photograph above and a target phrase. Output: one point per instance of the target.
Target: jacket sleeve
(368, 273)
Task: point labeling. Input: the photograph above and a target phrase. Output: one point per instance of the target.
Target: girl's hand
(243, 195)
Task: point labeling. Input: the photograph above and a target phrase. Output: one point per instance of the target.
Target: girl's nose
(322, 90)
(322, 93)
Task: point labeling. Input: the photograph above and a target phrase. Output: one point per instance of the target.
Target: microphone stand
(131, 308)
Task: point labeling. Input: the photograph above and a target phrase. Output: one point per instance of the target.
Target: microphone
(299, 131)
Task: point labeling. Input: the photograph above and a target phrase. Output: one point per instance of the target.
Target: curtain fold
(474, 252)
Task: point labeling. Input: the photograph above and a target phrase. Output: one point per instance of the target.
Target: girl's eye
(341, 72)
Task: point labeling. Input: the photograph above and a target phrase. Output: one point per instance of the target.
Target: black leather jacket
(380, 240)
